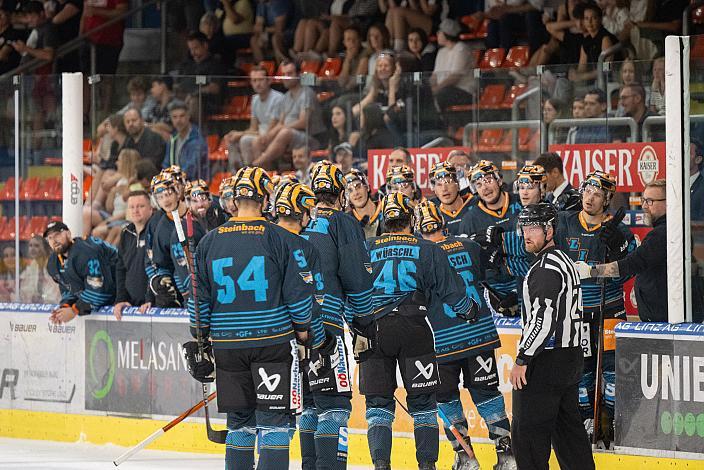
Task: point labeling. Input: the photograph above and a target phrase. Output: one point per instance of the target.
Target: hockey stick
(189, 249)
(455, 432)
(159, 432)
(617, 218)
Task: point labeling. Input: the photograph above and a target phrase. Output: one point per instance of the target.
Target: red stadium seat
(29, 188)
(216, 180)
(310, 66)
(493, 58)
(513, 93)
(7, 193)
(489, 139)
(269, 65)
(330, 69)
(517, 56)
(492, 96)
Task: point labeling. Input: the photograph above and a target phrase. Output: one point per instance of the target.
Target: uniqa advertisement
(660, 387)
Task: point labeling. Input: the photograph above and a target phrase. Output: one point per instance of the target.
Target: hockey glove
(583, 269)
(304, 347)
(504, 304)
(82, 307)
(200, 367)
(165, 293)
(362, 343)
(491, 238)
(472, 313)
(613, 238)
(327, 357)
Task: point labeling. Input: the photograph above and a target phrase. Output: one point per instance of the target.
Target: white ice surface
(46, 455)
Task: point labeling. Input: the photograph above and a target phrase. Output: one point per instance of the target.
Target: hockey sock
(331, 440)
(490, 405)
(306, 427)
(273, 440)
(586, 396)
(423, 409)
(240, 440)
(454, 413)
(379, 422)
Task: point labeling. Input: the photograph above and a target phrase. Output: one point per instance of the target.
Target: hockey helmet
(327, 178)
(400, 174)
(197, 188)
(442, 170)
(162, 182)
(293, 200)
(396, 206)
(602, 180)
(178, 174)
(531, 175)
(542, 213)
(356, 175)
(428, 217)
(252, 182)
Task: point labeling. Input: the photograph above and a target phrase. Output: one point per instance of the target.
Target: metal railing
(513, 125)
(611, 51)
(516, 114)
(653, 121)
(79, 41)
(593, 122)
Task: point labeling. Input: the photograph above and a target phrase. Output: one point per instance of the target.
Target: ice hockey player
(466, 348)
(206, 210)
(402, 179)
(252, 310)
(591, 236)
(408, 271)
(495, 208)
(444, 183)
(227, 196)
(84, 269)
(348, 289)
(167, 189)
(361, 204)
(549, 359)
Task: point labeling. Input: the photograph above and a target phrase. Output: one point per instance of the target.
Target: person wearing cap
(452, 81)
(348, 291)
(42, 40)
(254, 304)
(361, 204)
(595, 237)
(84, 269)
(344, 156)
(408, 272)
(203, 206)
(461, 347)
(444, 183)
(131, 276)
(548, 365)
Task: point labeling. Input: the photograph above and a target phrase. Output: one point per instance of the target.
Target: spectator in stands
(657, 89)
(632, 99)
(300, 123)
(145, 172)
(648, 37)
(400, 17)
(462, 163)
(379, 89)
(163, 95)
(302, 164)
(266, 110)
(131, 278)
(577, 113)
(355, 61)
(201, 62)
(378, 41)
(340, 131)
(35, 284)
(9, 57)
(112, 135)
(422, 49)
(566, 35)
(554, 108)
(187, 148)
(375, 134)
(142, 139)
(508, 20)
(452, 81)
(344, 156)
(615, 15)
(594, 107)
(68, 22)
(399, 156)
(696, 180)
(361, 12)
(237, 23)
(109, 208)
(596, 40)
(310, 38)
(7, 274)
(209, 25)
(43, 38)
(108, 42)
(137, 89)
(271, 21)
(628, 75)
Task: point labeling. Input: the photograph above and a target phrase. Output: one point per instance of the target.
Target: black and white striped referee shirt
(552, 296)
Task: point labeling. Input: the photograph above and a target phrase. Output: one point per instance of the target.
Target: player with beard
(206, 210)
(84, 269)
(360, 203)
(592, 237)
(466, 348)
(445, 185)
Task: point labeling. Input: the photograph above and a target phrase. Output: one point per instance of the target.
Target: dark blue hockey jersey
(149, 266)
(86, 273)
(478, 218)
(249, 285)
(339, 239)
(181, 274)
(582, 243)
(161, 246)
(404, 265)
(455, 338)
(453, 220)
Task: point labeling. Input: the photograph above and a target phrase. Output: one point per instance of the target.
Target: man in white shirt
(452, 80)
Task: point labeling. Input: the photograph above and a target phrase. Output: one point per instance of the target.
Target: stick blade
(217, 437)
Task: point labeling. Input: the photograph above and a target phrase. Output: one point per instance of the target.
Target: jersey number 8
(250, 279)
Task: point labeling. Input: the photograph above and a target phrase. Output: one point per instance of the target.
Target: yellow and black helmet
(602, 180)
(400, 174)
(442, 170)
(327, 178)
(482, 169)
(396, 206)
(227, 188)
(178, 174)
(161, 182)
(252, 182)
(532, 174)
(428, 217)
(356, 175)
(196, 188)
(293, 200)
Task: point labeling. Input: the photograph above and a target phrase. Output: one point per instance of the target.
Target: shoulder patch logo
(307, 277)
(368, 267)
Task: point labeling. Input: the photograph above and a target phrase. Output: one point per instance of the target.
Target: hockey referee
(549, 362)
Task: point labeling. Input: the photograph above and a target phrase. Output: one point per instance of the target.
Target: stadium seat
(52, 190)
(489, 139)
(29, 188)
(517, 56)
(698, 15)
(317, 155)
(7, 193)
(87, 151)
(330, 69)
(310, 66)
(492, 58)
(325, 95)
(269, 65)
(247, 67)
(476, 56)
(213, 141)
(531, 143)
(492, 97)
(513, 93)
(87, 181)
(697, 49)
